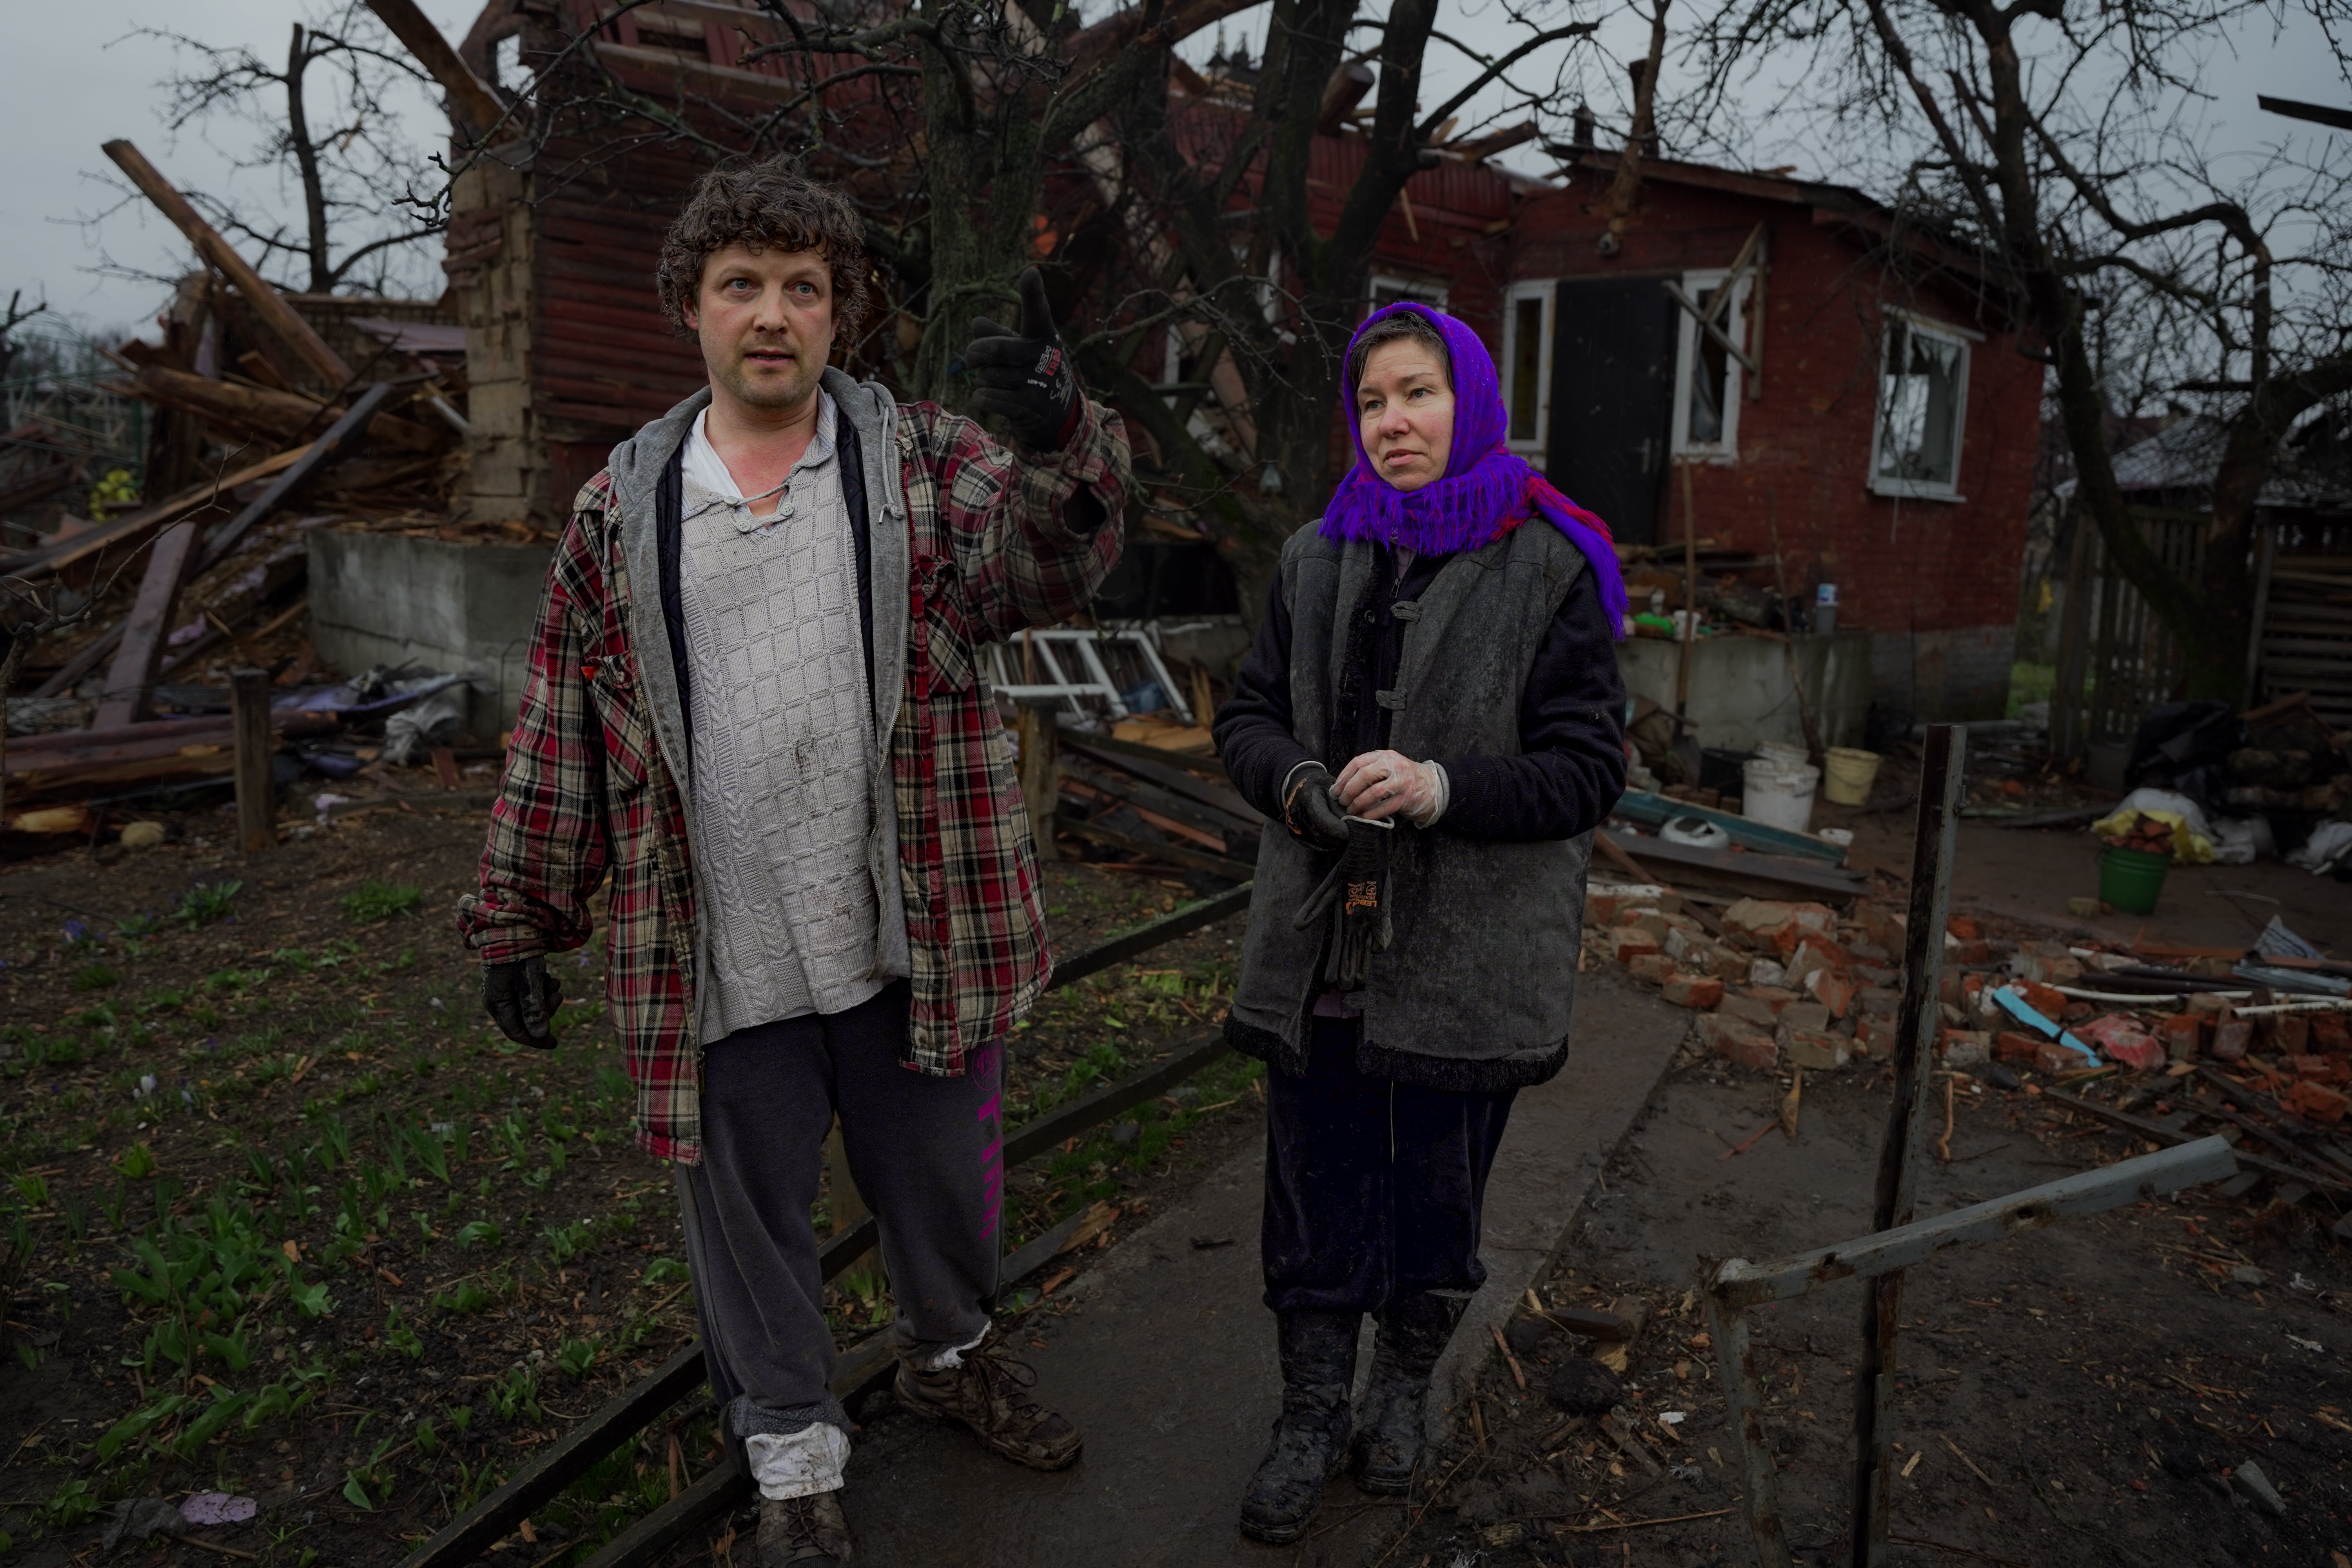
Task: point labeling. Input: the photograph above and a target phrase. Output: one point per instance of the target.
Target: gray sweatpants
(928, 1156)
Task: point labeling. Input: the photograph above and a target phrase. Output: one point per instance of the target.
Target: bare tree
(2064, 149)
(983, 135)
(319, 121)
(17, 315)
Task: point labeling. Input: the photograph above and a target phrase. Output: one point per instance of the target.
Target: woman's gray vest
(1479, 983)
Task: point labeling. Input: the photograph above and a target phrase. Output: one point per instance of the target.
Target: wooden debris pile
(1124, 802)
(272, 413)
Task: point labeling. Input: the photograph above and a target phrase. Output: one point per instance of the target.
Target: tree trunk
(306, 162)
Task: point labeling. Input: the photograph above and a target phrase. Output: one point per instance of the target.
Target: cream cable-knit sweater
(782, 740)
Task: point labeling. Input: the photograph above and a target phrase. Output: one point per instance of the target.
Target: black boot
(1310, 1435)
(1413, 1332)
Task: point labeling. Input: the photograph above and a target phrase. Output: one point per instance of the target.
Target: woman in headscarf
(1433, 712)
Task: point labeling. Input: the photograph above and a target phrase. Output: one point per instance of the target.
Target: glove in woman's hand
(1382, 784)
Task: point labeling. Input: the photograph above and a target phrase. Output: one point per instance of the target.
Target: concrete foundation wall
(1740, 692)
(385, 598)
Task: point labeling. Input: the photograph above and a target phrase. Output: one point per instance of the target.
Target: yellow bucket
(1847, 774)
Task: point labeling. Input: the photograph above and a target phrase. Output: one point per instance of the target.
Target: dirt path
(2077, 1395)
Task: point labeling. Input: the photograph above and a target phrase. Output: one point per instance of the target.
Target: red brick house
(1884, 417)
(1862, 388)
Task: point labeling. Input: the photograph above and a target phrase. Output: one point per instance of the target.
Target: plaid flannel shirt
(587, 792)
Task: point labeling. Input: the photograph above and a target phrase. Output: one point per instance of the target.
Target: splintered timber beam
(276, 314)
(177, 559)
(471, 101)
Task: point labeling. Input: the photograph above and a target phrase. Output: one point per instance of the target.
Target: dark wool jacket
(1499, 664)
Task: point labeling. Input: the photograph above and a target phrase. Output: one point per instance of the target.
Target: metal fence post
(1940, 771)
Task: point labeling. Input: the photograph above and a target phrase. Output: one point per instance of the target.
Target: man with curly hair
(754, 702)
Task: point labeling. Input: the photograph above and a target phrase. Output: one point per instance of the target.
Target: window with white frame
(1923, 398)
(1527, 365)
(1707, 375)
(1387, 290)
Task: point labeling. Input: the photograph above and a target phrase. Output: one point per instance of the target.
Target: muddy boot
(1413, 1332)
(804, 1532)
(989, 1394)
(1310, 1435)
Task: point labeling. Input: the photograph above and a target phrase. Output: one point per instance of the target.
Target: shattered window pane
(1527, 362)
(1920, 393)
(1710, 378)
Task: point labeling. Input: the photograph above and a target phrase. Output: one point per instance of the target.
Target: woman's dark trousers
(1373, 1194)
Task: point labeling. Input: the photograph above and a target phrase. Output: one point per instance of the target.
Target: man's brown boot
(804, 1533)
(989, 1394)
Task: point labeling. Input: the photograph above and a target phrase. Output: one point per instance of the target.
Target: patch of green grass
(207, 902)
(375, 900)
(96, 977)
(666, 1271)
(2029, 683)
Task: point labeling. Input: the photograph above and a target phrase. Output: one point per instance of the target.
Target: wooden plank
(1056, 1127)
(1041, 774)
(1649, 810)
(343, 437)
(556, 1467)
(1774, 876)
(170, 566)
(130, 531)
(2163, 1134)
(1175, 853)
(1218, 796)
(1143, 939)
(256, 794)
(279, 317)
(1190, 762)
(471, 100)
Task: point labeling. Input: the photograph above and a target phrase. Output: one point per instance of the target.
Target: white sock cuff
(798, 1464)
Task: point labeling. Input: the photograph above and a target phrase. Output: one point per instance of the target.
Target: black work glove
(1025, 376)
(1311, 812)
(522, 998)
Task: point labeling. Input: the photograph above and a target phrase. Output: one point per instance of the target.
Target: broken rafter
(281, 318)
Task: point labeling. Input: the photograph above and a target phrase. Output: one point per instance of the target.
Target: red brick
(2313, 1102)
(2042, 999)
(2230, 1038)
(2184, 1035)
(2124, 1040)
(1816, 1049)
(2288, 1034)
(2009, 1046)
(1627, 943)
(1694, 991)
(1604, 904)
(1964, 1048)
(1973, 952)
(1732, 1039)
(1833, 991)
(1963, 926)
(2050, 1057)
(1654, 967)
(2329, 1035)
(1876, 1037)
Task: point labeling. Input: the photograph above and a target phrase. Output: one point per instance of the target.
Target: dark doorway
(1612, 386)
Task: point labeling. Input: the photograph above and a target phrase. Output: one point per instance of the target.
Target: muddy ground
(2081, 1394)
(287, 1220)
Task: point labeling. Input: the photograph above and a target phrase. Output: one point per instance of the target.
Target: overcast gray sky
(73, 78)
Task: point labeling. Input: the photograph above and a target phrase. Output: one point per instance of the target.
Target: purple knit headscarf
(1486, 491)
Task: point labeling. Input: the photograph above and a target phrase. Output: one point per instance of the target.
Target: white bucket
(1782, 754)
(1778, 797)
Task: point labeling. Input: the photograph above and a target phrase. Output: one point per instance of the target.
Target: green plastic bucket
(2130, 880)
